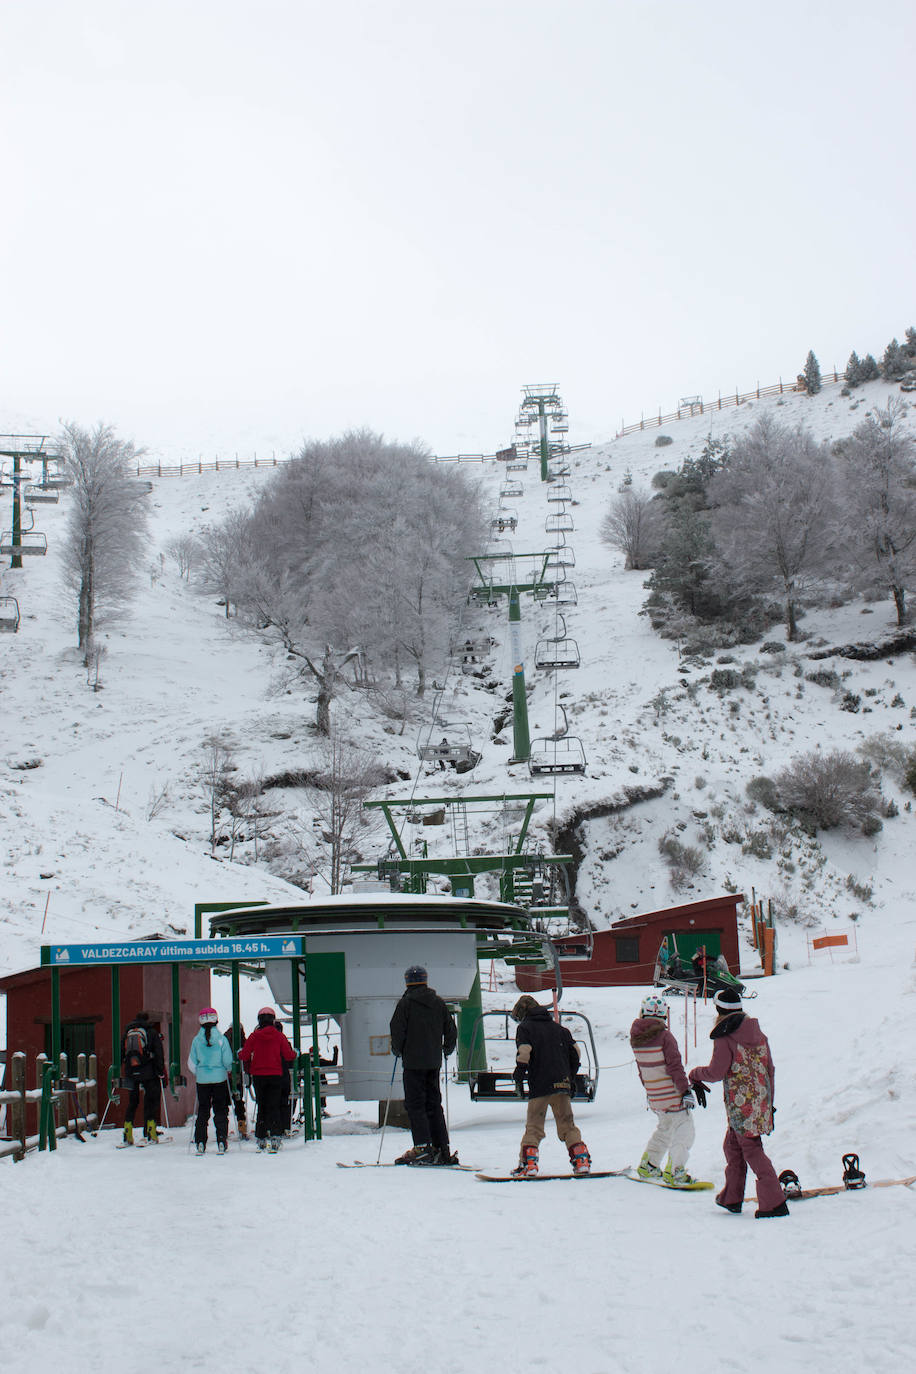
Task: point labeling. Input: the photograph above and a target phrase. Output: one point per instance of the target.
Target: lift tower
(22, 448)
(542, 405)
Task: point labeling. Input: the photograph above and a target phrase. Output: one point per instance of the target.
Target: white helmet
(654, 1005)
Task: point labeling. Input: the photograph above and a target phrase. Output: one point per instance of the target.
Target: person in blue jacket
(210, 1059)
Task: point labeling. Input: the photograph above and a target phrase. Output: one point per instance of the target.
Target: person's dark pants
(213, 1096)
(268, 1090)
(423, 1102)
(152, 1096)
(286, 1104)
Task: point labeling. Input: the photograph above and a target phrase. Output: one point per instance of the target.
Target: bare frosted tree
(631, 524)
(879, 502)
(773, 516)
(344, 778)
(106, 528)
(223, 554)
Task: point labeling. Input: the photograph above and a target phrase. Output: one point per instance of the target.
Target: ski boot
(262, 1143)
(528, 1163)
(780, 1211)
(151, 1132)
(128, 1133)
(201, 1147)
(418, 1154)
(646, 1170)
(445, 1157)
(274, 1144)
(220, 1147)
(677, 1178)
(580, 1159)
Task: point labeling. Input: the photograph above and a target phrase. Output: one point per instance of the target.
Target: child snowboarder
(210, 1059)
(742, 1062)
(547, 1053)
(661, 1072)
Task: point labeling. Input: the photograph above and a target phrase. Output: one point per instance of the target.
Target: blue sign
(175, 951)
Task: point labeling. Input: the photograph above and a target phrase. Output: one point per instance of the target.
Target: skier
(661, 1073)
(210, 1060)
(742, 1061)
(422, 1029)
(143, 1059)
(547, 1053)
(267, 1053)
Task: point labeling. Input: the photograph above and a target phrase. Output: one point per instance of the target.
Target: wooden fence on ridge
(697, 406)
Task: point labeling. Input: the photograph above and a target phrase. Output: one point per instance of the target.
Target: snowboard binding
(790, 1182)
(853, 1177)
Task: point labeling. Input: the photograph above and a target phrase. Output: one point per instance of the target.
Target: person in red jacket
(742, 1062)
(268, 1055)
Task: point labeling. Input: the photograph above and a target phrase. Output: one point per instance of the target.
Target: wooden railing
(74, 1101)
(695, 406)
(199, 467)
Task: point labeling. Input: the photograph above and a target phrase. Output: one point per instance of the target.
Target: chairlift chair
(36, 494)
(447, 754)
(9, 615)
(510, 489)
(29, 542)
(560, 523)
(562, 557)
(556, 653)
(498, 1084)
(559, 493)
(556, 756)
(504, 520)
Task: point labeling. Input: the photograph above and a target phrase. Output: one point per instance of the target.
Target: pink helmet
(208, 1016)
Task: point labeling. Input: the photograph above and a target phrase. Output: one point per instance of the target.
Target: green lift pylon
(543, 405)
(21, 447)
(489, 589)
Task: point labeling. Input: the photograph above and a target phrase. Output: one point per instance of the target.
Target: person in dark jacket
(742, 1062)
(547, 1054)
(143, 1060)
(268, 1056)
(422, 1030)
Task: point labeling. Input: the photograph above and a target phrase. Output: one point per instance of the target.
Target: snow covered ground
(366, 1270)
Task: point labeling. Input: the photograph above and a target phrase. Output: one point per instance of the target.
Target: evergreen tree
(812, 374)
(869, 369)
(895, 363)
(853, 369)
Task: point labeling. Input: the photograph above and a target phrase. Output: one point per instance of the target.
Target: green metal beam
(458, 865)
(463, 800)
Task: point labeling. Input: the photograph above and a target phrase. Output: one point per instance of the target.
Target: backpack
(137, 1055)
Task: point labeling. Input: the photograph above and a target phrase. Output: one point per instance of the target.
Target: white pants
(674, 1135)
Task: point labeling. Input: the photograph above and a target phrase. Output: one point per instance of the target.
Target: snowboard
(697, 1186)
(549, 1178)
(841, 1188)
(390, 1164)
(142, 1144)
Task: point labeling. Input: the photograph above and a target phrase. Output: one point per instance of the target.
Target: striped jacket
(658, 1060)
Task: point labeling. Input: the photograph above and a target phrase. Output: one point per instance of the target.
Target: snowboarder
(661, 1073)
(210, 1061)
(742, 1062)
(547, 1054)
(143, 1059)
(422, 1030)
(267, 1053)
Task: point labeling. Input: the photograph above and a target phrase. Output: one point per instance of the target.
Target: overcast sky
(229, 226)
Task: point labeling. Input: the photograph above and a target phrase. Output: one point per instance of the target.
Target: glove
(701, 1091)
(688, 1101)
(519, 1077)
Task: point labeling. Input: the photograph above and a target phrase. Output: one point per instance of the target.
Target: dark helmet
(415, 974)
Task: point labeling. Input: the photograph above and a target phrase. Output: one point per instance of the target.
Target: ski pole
(448, 1124)
(381, 1142)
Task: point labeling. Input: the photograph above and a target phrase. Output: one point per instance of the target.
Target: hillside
(108, 820)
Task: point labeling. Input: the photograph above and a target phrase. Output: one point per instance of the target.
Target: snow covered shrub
(823, 791)
(723, 680)
(684, 860)
(764, 791)
(663, 441)
(824, 677)
(757, 845)
(887, 754)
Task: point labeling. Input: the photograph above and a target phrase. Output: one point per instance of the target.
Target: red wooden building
(625, 954)
(86, 1012)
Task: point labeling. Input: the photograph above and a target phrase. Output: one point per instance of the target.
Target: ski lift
(560, 470)
(560, 523)
(57, 480)
(510, 489)
(482, 594)
(556, 756)
(36, 493)
(676, 975)
(29, 542)
(498, 1084)
(471, 651)
(518, 464)
(561, 557)
(9, 615)
(504, 520)
(559, 493)
(556, 653)
(447, 754)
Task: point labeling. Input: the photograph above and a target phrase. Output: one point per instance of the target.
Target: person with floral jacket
(742, 1062)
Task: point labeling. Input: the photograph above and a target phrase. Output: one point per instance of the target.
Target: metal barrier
(55, 1097)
